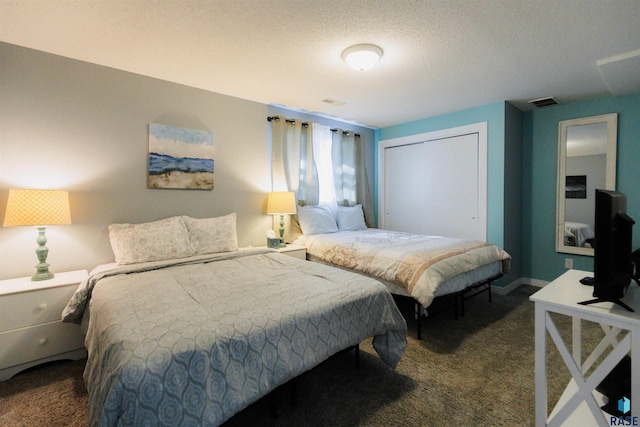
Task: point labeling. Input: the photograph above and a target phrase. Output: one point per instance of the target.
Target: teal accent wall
(539, 176)
(522, 181)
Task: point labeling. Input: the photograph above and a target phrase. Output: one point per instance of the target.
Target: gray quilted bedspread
(193, 343)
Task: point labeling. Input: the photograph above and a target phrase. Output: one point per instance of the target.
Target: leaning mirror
(586, 162)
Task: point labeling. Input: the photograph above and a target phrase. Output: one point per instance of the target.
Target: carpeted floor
(474, 371)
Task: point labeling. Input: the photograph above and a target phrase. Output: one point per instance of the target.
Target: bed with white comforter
(193, 341)
(419, 266)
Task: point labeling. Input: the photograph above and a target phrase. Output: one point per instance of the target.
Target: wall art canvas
(576, 187)
(180, 158)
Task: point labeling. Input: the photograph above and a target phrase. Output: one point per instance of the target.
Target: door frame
(477, 128)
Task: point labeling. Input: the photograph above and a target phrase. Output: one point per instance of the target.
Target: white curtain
(344, 167)
(350, 172)
(285, 154)
(322, 146)
(308, 191)
(293, 165)
(322, 167)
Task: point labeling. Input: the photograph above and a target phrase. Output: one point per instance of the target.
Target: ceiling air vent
(543, 102)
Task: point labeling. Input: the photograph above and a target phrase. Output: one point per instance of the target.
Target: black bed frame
(292, 384)
(458, 300)
(458, 297)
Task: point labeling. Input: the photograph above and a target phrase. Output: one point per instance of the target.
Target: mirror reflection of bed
(578, 234)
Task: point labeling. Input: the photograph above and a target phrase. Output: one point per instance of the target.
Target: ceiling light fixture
(362, 57)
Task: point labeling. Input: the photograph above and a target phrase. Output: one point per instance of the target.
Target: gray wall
(76, 126)
(583, 210)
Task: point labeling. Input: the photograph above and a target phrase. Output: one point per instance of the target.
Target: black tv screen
(613, 266)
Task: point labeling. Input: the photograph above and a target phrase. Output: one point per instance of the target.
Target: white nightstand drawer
(32, 308)
(38, 342)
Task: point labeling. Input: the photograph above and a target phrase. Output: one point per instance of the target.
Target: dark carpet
(474, 371)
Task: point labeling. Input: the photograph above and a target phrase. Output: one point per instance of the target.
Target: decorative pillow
(212, 235)
(351, 218)
(150, 241)
(316, 219)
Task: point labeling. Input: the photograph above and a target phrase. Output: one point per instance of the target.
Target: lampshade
(37, 207)
(362, 57)
(281, 202)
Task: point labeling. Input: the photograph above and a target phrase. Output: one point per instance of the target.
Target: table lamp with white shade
(281, 203)
(38, 208)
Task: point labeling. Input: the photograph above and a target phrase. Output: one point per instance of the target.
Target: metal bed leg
(455, 304)
(293, 392)
(418, 316)
(273, 404)
(458, 295)
(419, 320)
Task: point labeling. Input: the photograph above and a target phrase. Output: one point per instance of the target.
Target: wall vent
(544, 102)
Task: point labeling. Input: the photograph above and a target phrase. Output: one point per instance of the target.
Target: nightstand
(295, 251)
(31, 331)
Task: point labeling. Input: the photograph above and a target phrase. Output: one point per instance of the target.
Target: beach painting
(180, 158)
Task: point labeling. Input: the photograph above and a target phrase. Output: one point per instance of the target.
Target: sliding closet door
(451, 186)
(405, 202)
(433, 187)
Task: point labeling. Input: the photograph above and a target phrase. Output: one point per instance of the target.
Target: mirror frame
(610, 174)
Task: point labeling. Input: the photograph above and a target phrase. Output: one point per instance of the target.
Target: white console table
(580, 403)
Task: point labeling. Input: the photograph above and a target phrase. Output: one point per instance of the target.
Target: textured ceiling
(439, 56)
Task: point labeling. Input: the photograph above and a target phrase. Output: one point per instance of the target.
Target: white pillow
(151, 241)
(212, 235)
(351, 218)
(316, 219)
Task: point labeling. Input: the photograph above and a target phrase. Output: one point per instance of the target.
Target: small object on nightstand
(588, 281)
(273, 243)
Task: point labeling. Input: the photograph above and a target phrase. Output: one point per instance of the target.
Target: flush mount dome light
(362, 57)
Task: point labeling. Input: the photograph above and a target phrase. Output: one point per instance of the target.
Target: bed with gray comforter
(194, 341)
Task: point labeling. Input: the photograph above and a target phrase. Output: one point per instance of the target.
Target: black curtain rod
(346, 133)
(293, 122)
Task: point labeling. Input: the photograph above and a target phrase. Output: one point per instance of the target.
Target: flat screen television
(613, 266)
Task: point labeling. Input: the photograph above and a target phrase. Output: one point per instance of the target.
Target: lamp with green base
(281, 203)
(38, 208)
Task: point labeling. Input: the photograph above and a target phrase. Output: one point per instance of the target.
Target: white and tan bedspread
(418, 263)
(194, 341)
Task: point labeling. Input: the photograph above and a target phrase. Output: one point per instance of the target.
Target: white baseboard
(534, 282)
(503, 290)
